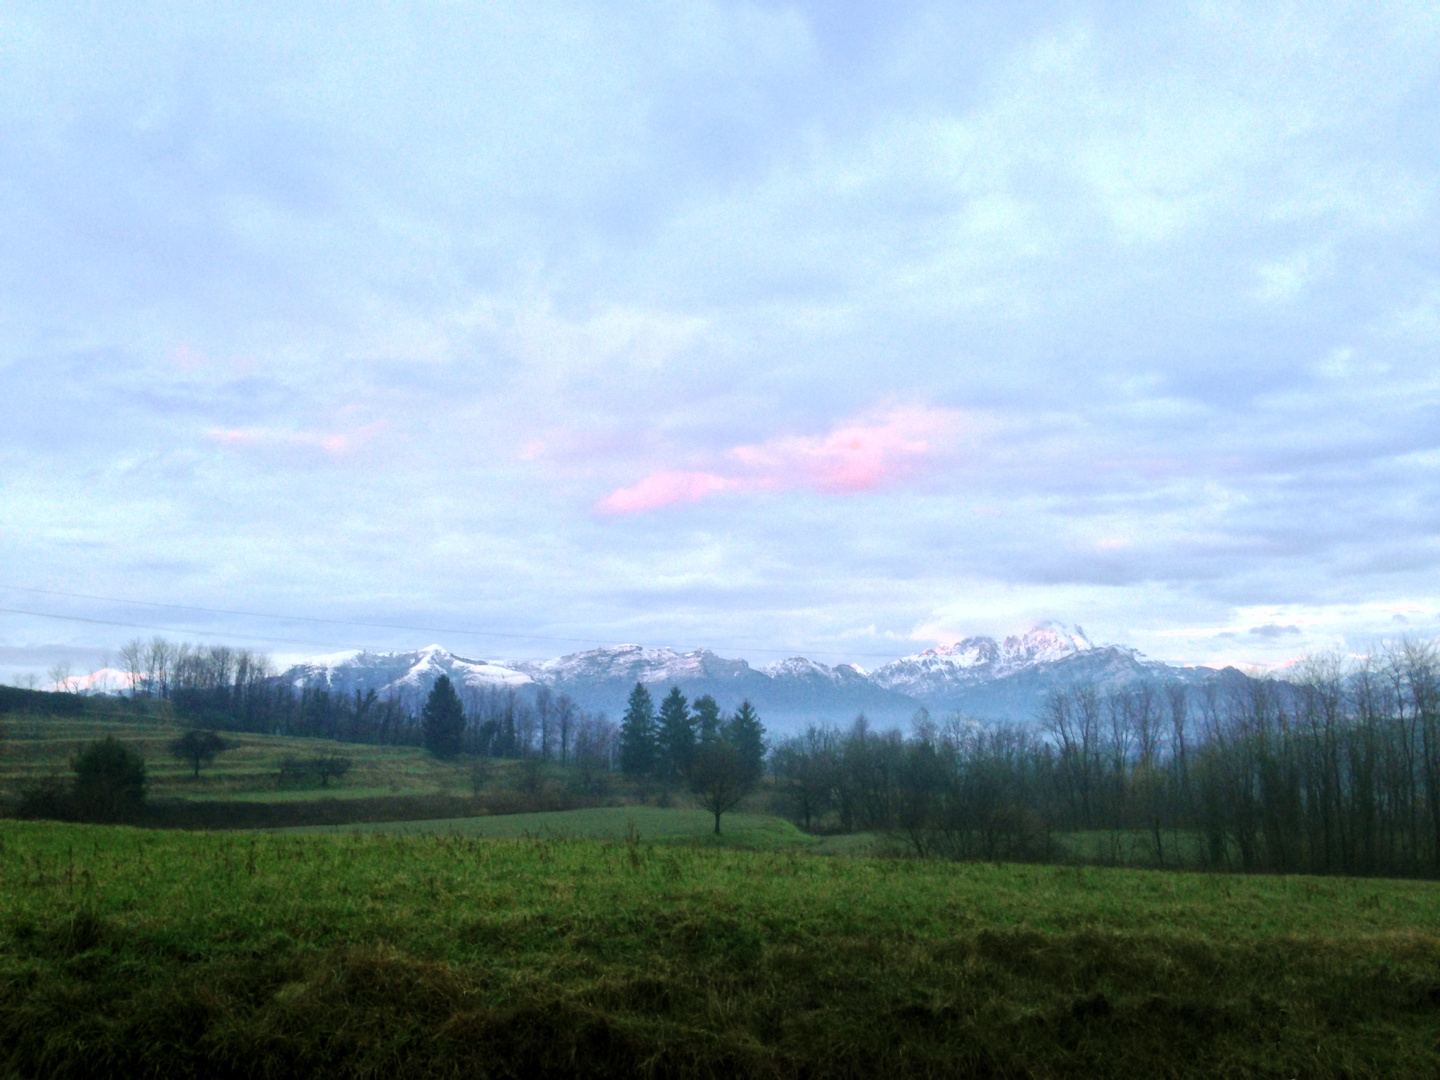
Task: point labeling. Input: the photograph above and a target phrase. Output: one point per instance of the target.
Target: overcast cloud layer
(838, 329)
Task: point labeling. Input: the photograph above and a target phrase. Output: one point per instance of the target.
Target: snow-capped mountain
(105, 681)
(400, 674)
(979, 659)
(631, 664)
(1005, 679)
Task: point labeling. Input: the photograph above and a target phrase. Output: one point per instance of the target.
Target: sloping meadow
(128, 952)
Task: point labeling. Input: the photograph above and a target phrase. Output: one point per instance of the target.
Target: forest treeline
(230, 689)
(1335, 770)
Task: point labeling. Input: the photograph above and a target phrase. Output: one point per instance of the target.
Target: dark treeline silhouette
(229, 689)
(1335, 770)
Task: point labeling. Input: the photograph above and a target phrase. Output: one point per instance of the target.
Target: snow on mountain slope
(978, 659)
(797, 667)
(631, 664)
(105, 681)
(402, 673)
(979, 676)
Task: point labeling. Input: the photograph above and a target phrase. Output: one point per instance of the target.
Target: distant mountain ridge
(980, 676)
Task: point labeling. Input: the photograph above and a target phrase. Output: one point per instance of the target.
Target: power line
(306, 618)
(320, 621)
(177, 629)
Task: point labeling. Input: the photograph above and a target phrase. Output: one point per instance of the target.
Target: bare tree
(60, 677)
(564, 723)
(544, 702)
(132, 659)
(720, 778)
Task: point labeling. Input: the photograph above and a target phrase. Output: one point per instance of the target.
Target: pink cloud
(663, 489)
(864, 454)
(335, 443)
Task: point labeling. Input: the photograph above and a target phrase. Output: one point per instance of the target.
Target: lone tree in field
(719, 778)
(637, 734)
(330, 767)
(198, 748)
(109, 781)
(443, 720)
(727, 766)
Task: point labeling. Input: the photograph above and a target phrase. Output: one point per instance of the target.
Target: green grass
(754, 832)
(612, 823)
(36, 746)
(383, 953)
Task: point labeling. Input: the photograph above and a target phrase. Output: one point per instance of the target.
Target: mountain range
(979, 676)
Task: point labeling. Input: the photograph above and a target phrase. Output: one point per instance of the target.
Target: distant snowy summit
(404, 674)
(1008, 678)
(977, 659)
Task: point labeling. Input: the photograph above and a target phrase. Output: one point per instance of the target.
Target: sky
(833, 329)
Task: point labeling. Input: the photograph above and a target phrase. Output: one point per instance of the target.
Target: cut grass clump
(132, 953)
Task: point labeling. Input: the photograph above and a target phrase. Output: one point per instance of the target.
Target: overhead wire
(277, 639)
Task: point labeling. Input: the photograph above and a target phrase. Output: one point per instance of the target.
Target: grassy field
(127, 952)
(37, 746)
(756, 832)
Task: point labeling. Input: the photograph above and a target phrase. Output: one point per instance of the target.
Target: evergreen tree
(676, 735)
(443, 720)
(707, 719)
(638, 751)
(747, 735)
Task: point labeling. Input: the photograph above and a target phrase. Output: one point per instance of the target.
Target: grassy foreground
(131, 953)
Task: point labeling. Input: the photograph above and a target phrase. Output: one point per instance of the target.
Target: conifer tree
(638, 751)
(676, 735)
(443, 720)
(707, 719)
(747, 735)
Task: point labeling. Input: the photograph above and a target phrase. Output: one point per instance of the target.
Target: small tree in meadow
(330, 767)
(198, 748)
(719, 778)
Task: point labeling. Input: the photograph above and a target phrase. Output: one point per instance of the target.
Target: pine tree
(707, 719)
(443, 720)
(637, 734)
(747, 735)
(676, 735)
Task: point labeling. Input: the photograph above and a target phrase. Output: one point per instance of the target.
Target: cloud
(339, 443)
(1273, 630)
(864, 454)
(673, 257)
(665, 489)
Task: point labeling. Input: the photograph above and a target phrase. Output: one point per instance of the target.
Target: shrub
(326, 767)
(109, 781)
(47, 797)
